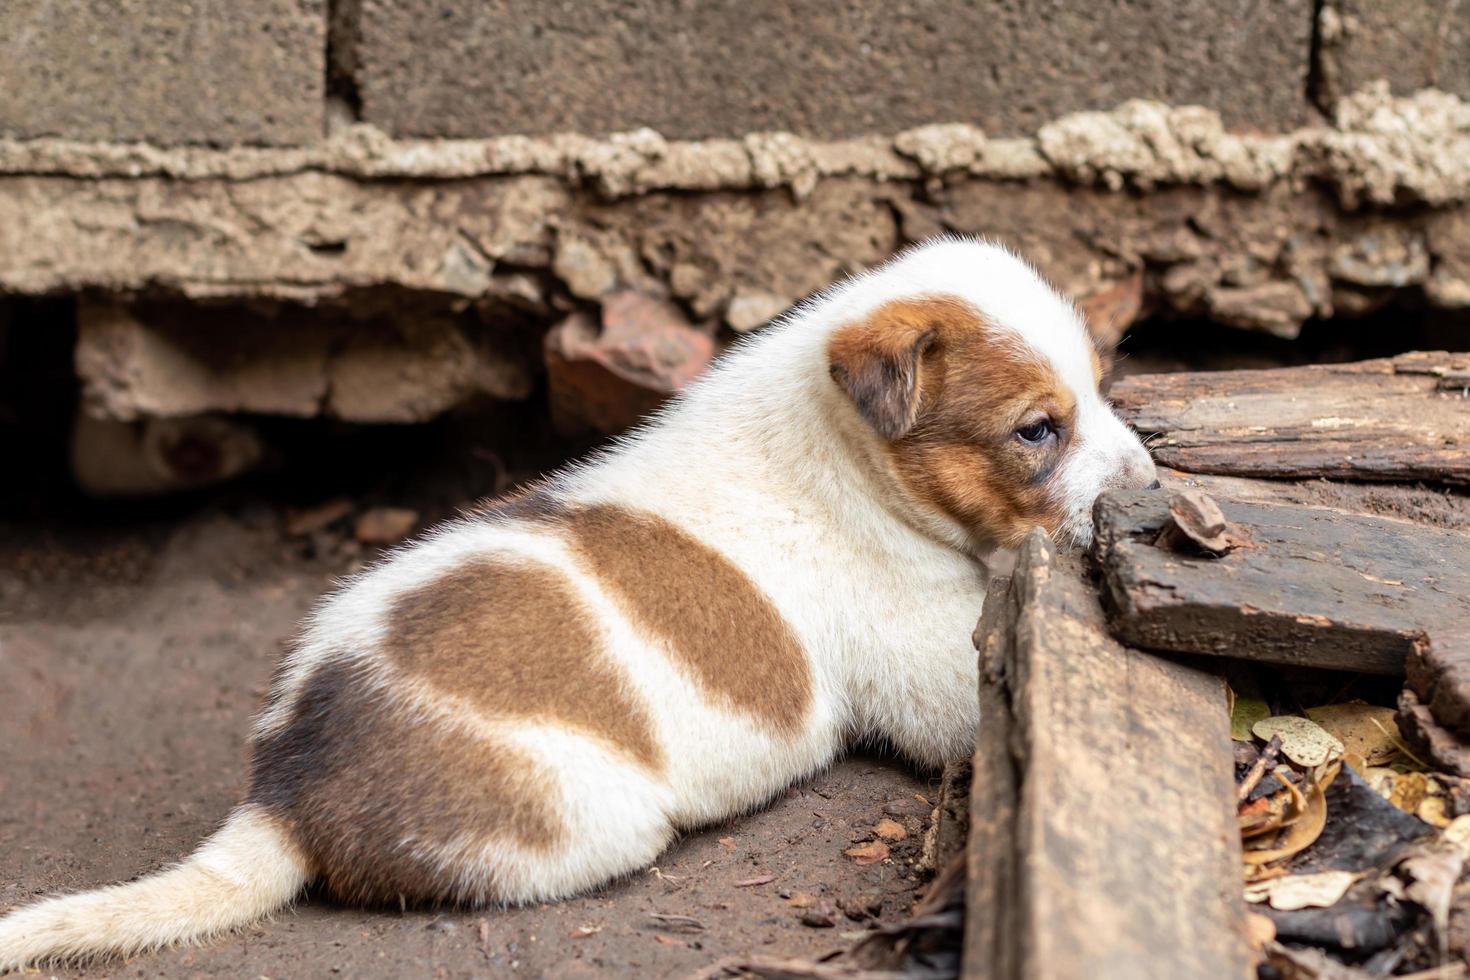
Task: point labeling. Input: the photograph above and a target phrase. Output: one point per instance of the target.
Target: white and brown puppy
(789, 558)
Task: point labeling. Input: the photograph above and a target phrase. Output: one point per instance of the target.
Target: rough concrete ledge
(1380, 150)
(499, 240)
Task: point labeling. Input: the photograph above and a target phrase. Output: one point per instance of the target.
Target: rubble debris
(170, 361)
(869, 853)
(303, 522)
(384, 525)
(1382, 420)
(156, 456)
(606, 381)
(1103, 834)
(1317, 587)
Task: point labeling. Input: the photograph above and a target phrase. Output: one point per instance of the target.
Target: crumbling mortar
(1376, 150)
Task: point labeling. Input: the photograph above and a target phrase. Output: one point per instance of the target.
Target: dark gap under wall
(482, 448)
(1161, 345)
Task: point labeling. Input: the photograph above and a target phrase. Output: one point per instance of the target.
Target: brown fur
(365, 787)
(516, 640)
(972, 389)
(878, 362)
(711, 617)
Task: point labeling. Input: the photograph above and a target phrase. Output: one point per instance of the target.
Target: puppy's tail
(249, 869)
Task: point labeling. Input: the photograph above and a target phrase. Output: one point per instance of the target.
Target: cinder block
(1412, 44)
(727, 67)
(219, 72)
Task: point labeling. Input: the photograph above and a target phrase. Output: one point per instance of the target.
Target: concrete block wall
(220, 72)
(513, 173)
(255, 72)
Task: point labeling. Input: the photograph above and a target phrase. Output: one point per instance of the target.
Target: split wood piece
(1434, 707)
(1313, 587)
(1388, 419)
(1102, 841)
(949, 824)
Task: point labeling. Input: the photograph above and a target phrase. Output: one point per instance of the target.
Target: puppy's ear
(879, 363)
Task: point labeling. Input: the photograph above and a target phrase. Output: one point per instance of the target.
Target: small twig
(1450, 971)
(677, 921)
(1399, 743)
(1258, 769)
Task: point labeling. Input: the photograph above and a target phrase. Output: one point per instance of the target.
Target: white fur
(767, 462)
(246, 871)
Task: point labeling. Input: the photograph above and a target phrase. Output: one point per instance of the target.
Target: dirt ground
(132, 655)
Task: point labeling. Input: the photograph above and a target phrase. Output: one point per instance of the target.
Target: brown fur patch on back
(708, 613)
(516, 640)
(368, 790)
(975, 385)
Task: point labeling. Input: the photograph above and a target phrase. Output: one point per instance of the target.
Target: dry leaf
(727, 842)
(1317, 891)
(1303, 741)
(1409, 790)
(802, 900)
(667, 940)
(1381, 779)
(1264, 815)
(760, 880)
(869, 853)
(1434, 812)
(1244, 715)
(890, 829)
(1431, 874)
(1457, 834)
(1307, 827)
(1365, 730)
(582, 932)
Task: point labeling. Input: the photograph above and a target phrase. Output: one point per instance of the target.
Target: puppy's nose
(1156, 485)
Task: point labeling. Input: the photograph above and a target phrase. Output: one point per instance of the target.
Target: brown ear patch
(878, 361)
(710, 616)
(371, 792)
(516, 640)
(963, 457)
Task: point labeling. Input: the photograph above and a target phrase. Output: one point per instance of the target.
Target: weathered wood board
(1103, 841)
(1447, 507)
(1405, 418)
(1314, 586)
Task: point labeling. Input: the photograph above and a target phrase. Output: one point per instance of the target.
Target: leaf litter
(1355, 851)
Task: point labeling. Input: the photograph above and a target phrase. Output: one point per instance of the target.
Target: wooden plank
(1431, 506)
(1103, 839)
(991, 885)
(1405, 418)
(1314, 586)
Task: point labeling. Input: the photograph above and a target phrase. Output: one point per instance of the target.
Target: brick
(211, 71)
(726, 67)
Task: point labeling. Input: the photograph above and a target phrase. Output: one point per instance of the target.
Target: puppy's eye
(1036, 433)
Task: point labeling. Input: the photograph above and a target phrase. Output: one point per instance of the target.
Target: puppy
(788, 559)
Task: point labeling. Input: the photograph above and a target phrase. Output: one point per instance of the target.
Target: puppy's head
(980, 385)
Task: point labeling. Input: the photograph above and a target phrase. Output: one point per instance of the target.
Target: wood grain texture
(1103, 839)
(1405, 418)
(1315, 587)
(1446, 507)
